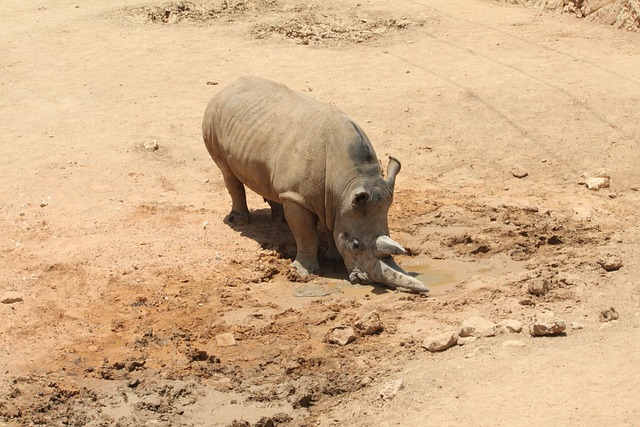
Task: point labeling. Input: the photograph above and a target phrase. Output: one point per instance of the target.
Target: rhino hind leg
(277, 211)
(303, 224)
(239, 214)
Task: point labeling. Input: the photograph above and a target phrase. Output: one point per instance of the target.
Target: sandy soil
(119, 276)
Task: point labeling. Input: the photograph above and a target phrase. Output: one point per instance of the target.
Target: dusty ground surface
(119, 275)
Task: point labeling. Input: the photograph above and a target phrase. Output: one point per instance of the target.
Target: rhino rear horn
(392, 170)
(386, 246)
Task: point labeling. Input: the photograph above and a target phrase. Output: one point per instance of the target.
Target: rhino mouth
(387, 272)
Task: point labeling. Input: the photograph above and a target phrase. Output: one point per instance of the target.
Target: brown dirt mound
(623, 14)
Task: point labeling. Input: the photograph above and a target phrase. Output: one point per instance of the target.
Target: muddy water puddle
(440, 276)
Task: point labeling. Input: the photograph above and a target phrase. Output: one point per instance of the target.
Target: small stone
(11, 297)
(370, 324)
(609, 314)
(597, 182)
(519, 172)
(440, 342)
(391, 389)
(151, 145)
(610, 263)
(511, 326)
(225, 340)
(341, 335)
(466, 340)
(547, 324)
(576, 326)
(513, 343)
(205, 225)
(478, 327)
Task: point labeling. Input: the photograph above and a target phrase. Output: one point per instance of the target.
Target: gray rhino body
(311, 163)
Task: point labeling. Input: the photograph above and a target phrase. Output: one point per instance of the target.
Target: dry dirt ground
(118, 275)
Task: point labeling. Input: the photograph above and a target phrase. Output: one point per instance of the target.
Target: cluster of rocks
(369, 324)
(543, 324)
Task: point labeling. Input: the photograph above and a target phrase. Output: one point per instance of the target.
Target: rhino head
(361, 233)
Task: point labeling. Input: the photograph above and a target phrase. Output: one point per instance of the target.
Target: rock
(513, 343)
(225, 340)
(547, 324)
(341, 335)
(478, 327)
(151, 145)
(538, 287)
(390, 389)
(440, 342)
(511, 326)
(576, 326)
(519, 172)
(466, 340)
(369, 324)
(597, 182)
(610, 263)
(11, 297)
(609, 314)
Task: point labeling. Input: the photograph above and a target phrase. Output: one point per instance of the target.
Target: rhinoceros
(312, 164)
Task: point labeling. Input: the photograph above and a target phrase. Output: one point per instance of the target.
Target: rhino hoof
(305, 270)
(238, 218)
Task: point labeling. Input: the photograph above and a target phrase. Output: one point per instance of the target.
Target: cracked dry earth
(127, 301)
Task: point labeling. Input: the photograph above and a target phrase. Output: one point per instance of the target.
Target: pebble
(513, 343)
(341, 335)
(440, 342)
(519, 172)
(610, 263)
(370, 324)
(609, 314)
(391, 389)
(576, 326)
(151, 145)
(11, 297)
(547, 324)
(478, 327)
(597, 182)
(510, 325)
(225, 340)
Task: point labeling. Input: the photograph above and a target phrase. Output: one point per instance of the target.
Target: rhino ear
(392, 170)
(359, 195)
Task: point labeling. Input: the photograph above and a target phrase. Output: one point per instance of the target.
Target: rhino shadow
(276, 236)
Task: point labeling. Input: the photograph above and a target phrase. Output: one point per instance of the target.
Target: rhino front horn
(389, 273)
(385, 246)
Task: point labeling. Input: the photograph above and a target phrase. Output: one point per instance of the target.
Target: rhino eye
(355, 244)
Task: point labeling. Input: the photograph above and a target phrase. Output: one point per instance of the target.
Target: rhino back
(283, 144)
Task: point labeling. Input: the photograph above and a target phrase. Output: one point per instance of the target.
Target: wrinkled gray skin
(311, 163)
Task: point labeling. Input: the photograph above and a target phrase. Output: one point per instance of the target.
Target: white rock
(390, 389)
(510, 325)
(597, 182)
(513, 343)
(11, 297)
(546, 324)
(478, 327)
(576, 326)
(342, 335)
(226, 339)
(370, 324)
(151, 145)
(440, 342)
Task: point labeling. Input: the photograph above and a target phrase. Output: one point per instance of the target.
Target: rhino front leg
(239, 214)
(332, 253)
(303, 224)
